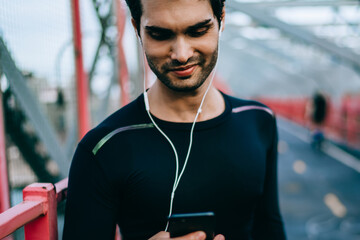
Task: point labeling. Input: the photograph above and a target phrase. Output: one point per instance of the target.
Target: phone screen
(182, 224)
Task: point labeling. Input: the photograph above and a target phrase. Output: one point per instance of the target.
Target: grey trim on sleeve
(118, 130)
(245, 108)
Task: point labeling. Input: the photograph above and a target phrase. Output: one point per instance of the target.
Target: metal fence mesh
(38, 36)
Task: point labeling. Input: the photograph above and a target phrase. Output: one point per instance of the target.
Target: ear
(223, 19)
(135, 27)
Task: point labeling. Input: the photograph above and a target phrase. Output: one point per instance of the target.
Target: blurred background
(66, 65)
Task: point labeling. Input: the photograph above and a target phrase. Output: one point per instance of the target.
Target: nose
(181, 50)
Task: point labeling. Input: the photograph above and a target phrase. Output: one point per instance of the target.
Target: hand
(190, 236)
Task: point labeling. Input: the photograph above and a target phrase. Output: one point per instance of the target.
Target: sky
(38, 34)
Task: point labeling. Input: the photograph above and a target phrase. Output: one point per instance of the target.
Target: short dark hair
(136, 10)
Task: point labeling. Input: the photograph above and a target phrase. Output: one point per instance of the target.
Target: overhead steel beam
(31, 108)
(279, 67)
(311, 3)
(298, 33)
(258, 43)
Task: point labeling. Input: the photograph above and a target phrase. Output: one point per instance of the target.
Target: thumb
(193, 236)
(160, 235)
(219, 237)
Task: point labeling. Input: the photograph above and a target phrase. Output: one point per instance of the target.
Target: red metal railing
(341, 124)
(37, 212)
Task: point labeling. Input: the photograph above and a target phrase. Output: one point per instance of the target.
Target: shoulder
(239, 105)
(255, 117)
(130, 115)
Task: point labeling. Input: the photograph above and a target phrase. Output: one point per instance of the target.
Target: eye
(160, 35)
(198, 32)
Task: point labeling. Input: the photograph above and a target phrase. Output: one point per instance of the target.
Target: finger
(161, 235)
(219, 237)
(192, 236)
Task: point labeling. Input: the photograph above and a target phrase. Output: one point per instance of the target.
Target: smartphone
(182, 224)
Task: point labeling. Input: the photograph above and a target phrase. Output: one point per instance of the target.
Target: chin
(184, 89)
(190, 87)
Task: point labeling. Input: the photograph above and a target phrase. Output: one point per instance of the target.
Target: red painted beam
(81, 78)
(44, 227)
(122, 65)
(61, 190)
(4, 183)
(20, 215)
(38, 211)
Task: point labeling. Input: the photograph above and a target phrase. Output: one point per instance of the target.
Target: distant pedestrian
(60, 113)
(317, 111)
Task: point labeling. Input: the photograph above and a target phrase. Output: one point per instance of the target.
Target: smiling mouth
(186, 71)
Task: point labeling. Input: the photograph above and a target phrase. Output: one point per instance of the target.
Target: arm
(91, 206)
(267, 220)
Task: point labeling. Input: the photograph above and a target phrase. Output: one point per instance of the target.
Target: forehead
(175, 13)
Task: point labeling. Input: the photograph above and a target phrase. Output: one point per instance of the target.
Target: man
(151, 157)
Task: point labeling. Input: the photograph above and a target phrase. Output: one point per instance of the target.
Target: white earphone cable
(147, 107)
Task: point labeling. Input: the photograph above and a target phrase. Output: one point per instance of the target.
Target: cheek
(208, 49)
(206, 46)
(156, 50)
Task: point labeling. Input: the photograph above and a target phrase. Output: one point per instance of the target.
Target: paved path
(319, 190)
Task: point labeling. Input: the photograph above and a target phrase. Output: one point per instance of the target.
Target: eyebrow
(198, 25)
(202, 24)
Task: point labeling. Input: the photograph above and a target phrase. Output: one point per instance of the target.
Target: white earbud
(220, 29)
(138, 37)
(146, 100)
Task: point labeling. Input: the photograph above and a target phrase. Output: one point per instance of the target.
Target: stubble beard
(162, 73)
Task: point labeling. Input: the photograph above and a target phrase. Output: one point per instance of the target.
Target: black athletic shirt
(124, 169)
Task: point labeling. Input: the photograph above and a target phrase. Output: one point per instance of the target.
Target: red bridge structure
(37, 212)
(99, 67)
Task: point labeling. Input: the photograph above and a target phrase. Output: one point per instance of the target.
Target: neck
(173, 106)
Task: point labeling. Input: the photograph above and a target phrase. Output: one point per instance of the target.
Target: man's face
(180, 40)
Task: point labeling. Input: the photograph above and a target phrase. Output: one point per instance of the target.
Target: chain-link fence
(37, 73)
